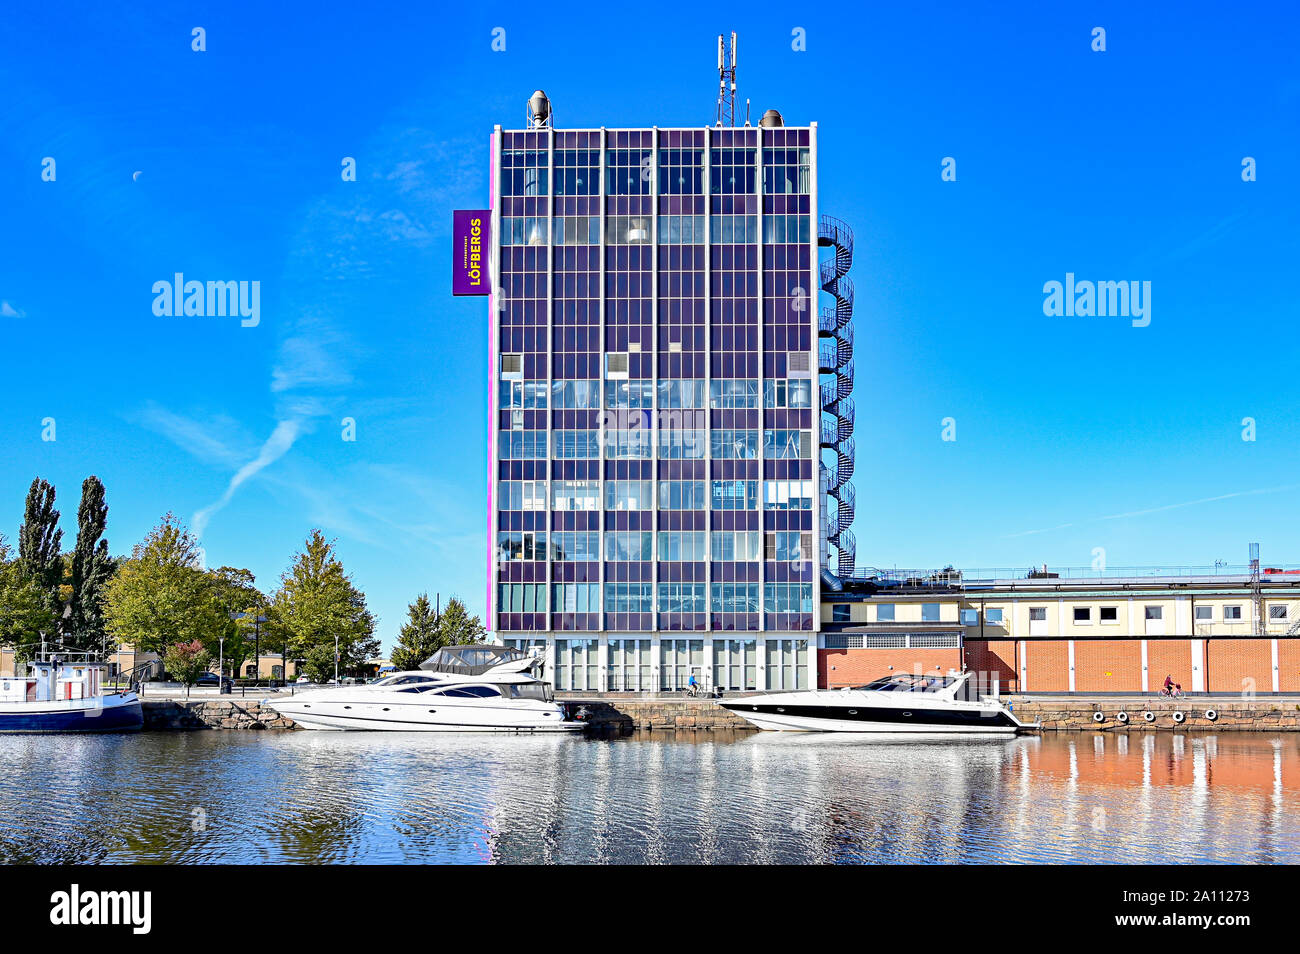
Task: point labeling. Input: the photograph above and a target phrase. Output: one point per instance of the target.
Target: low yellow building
(1046, 633)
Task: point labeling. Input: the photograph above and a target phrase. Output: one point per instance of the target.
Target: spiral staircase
(835, 362)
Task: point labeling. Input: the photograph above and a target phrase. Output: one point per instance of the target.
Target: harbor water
(268, 797)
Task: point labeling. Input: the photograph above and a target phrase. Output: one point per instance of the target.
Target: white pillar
(1024, 669)
(1198, 665)
(1070, 648)
(1277, 672)
(1146, 676)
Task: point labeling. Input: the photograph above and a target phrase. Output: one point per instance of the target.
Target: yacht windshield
(530, 690)
(405, 679)
(909, 682)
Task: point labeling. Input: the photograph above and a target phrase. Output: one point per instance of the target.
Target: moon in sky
(135, 175)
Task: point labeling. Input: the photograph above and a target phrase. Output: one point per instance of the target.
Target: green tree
(185, 662)
(24, 608)
(457, 628)
(91, 569)
(242, 602)
(161, 596)
(426, 631)
(418, 638)
(38, 543)
(317, 603)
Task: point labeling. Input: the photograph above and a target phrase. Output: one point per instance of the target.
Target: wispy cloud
(276, 446)
(11, 311)
(1160, 509)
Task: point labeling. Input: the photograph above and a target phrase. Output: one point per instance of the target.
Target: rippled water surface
(256, 797)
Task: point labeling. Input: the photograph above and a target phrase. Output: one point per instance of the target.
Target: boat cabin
(911, 682)
(52, 680)
(471, 660)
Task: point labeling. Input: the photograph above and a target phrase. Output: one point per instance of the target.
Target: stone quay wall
(212, 714)
(1072, 714)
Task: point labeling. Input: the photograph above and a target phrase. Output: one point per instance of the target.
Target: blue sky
(1072, 433)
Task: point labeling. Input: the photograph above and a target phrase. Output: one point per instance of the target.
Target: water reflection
(713, 798)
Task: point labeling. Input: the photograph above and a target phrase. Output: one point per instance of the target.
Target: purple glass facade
(655, 439)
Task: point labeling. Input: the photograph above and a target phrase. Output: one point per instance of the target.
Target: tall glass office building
(655, 503)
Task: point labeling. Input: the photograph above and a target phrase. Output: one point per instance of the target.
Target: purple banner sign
(471, 231)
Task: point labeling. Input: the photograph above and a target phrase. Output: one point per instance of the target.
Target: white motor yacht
(901, 703)
(476, 688)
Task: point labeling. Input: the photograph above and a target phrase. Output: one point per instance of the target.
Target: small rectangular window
(1205, 613)
(930, 612)
(1038, 612)
(512, 364)
(616, 364)
(1277, 611)
(970, 617)
(1083, 614)
(840, 613)
(1155, 612)
(885, 613)
(1109, 614)
(993, 615)
(1231, 613)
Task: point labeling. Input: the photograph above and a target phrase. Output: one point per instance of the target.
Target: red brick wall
(996, 658)
(1047, 665)
(1230, 662)
(1107, 664)
(854, 667)
(1288, 665)
(1169, 657)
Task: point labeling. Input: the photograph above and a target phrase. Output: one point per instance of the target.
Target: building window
(1108, 614)
(840, 613)
(1038, 613)
(681, 598)
(521, 598)
(1154, 612)
(734, 229)
(521, 545)
(576, 597)
(681, 230)
(629, 495)
(782, 444)
(787, 597)
(734, 495)
(681, 546)
(626, 546)
(512, 364)
(729, 394)
(788, 494)
(627, 171)
(785, 229)
(787, 392)
(735, 598)
(523, 172)
(735, 546)
(681, 495)
(628, 597)
(970, 617)
(1083, 614)
(930, 612)
(575, 545)
(1204, 613)
(1277, 611)
(1231, 614)
(788, 545)
(885, 613)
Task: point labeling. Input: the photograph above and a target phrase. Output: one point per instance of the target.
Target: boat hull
(351, 716)
(787, 717)
(119, 713)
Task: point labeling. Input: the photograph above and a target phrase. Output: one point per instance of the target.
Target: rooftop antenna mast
(726, 81)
